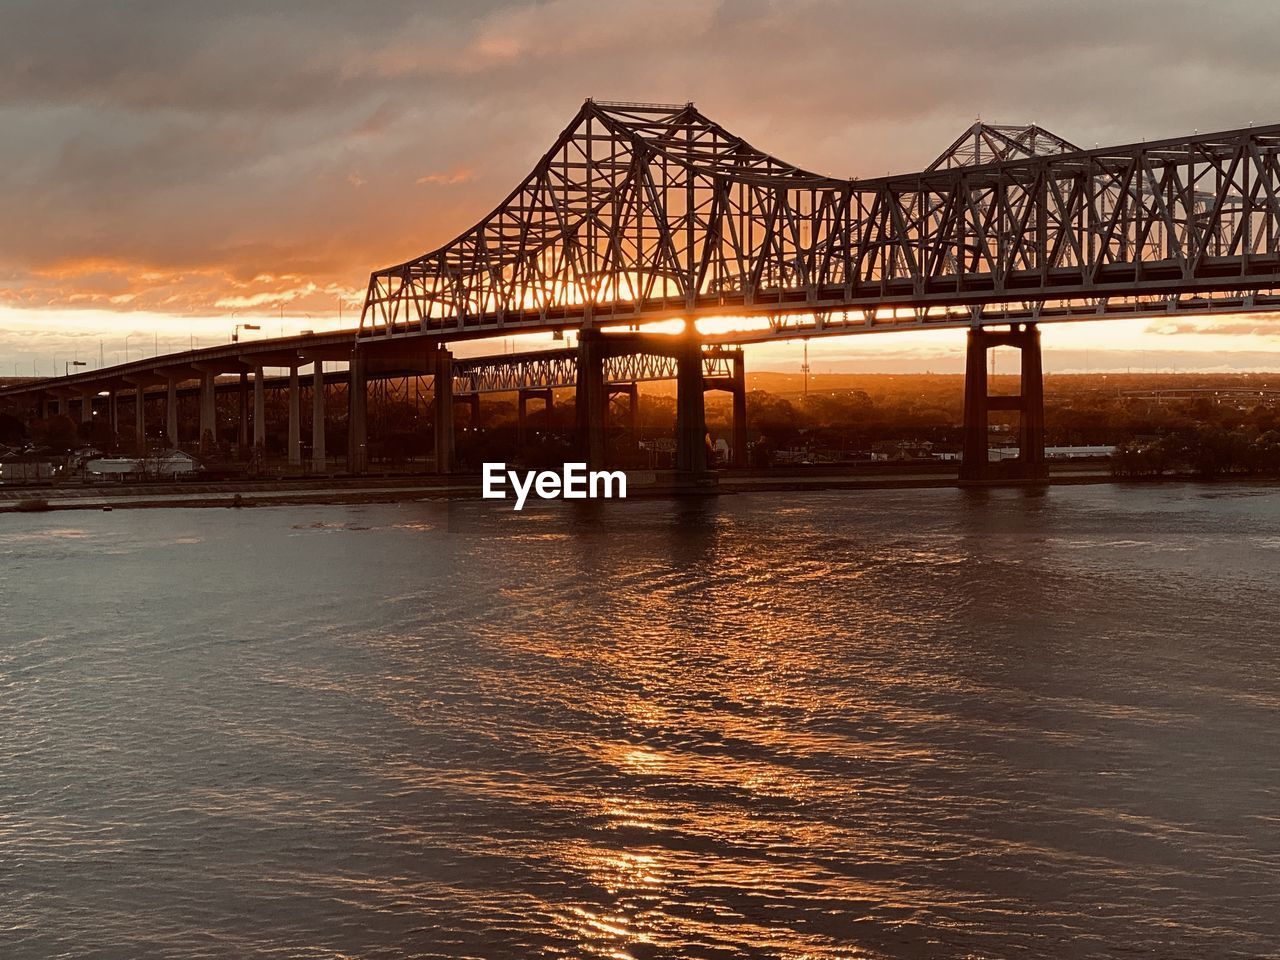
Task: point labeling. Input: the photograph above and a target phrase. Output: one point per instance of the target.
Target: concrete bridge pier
(691, 419)
(113, 410)
(319, 458)
(242, 397)
(357, 414)
(739, 411)
(442, 387)
(171, 410)
(139, 414)
(591, 400)
(86, 406)
(259, 409)
(208, 409)
(1028, 403)
(523, 397)
(295, 417)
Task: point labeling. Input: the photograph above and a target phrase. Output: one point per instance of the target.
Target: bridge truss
(647, 212)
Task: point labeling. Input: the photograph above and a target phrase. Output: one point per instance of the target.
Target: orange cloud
(461, 175)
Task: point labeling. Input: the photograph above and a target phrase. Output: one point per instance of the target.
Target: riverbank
(342, 490)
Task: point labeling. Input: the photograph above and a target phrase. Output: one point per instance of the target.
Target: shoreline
(336, 491)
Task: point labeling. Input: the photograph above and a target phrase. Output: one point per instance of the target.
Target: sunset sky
(169, 169)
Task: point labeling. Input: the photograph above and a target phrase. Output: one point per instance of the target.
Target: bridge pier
(739, 411)
(357, 414)
(442, 386)
(259, 410)
(86, 407)
(591, 400)
(691, 418)
(139, 415)
(208, 410)
(1028, 403)
(319, 458)
(113, 410)
(295, 417)
(171, 410)
(242, 395)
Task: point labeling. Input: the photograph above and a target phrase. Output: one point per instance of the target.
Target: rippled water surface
(849, 724)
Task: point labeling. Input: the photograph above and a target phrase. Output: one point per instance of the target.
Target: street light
(126, 346)
(68, 364)
(235, 334)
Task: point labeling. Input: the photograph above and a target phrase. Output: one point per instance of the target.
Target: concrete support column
(691, 420)
(974, 456)
(739, 445)
(1031, 414)
(319, 459)
(357, 415)
(140, 418)
(242, 395)
(208, 411)
(295, 417)
(1028, 403)
(86, 407)
(171, 411)
(591, 399)
(443, 387)
(113, 410)
(259, 410)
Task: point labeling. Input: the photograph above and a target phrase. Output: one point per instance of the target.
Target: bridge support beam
(1028, 403)
(86, 407)
(591, 400)
(295, 417)
(442, 385)
(319, 458)
(691, 419)
(113, 410)
(357, 414)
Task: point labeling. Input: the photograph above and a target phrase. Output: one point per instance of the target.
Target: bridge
(649, 213)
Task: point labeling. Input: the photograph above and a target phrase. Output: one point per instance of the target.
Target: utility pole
(804, 368)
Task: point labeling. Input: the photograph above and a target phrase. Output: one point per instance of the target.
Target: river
(872, 724)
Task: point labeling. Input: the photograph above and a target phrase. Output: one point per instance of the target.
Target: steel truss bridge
(647, 212)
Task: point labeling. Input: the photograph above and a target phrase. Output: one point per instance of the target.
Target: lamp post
(126, 346)
(68, 364)
(235, 334)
